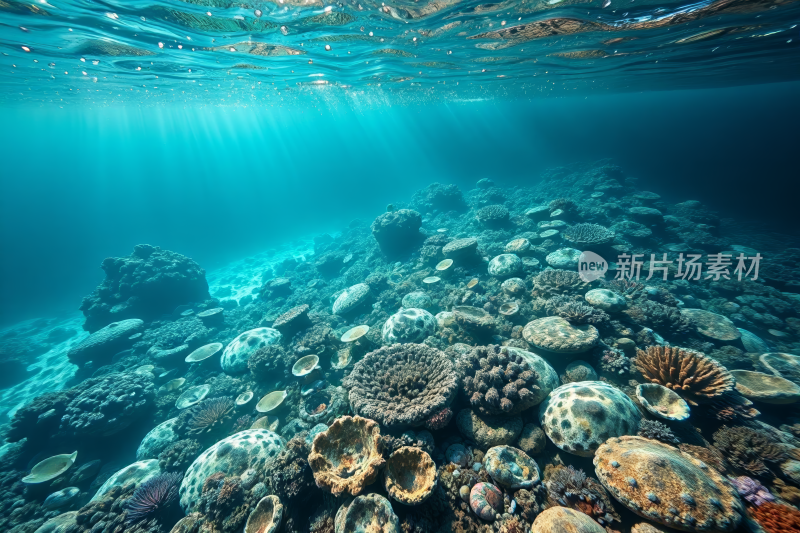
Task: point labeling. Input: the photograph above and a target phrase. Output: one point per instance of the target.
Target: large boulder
(397, 232)
(147, 284)
(102, 345)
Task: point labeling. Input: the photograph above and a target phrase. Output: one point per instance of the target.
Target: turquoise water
(240, 240)
(307, 52)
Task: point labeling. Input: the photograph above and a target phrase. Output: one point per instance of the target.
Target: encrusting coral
(402, 384)
(691, 374)
(497, 381)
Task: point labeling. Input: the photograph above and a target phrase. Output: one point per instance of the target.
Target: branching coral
(614, 361)
(497, 381)
(492, 215)
(402, 384)
(625, 287)
(662, 318)
(575, 312)
(554, 282)
(155, 498)
(731, 407)
(572, 488)
(691, 374)
(776, 518)
(651, 429)
(565, 204)
(748, 450)
(588, 234)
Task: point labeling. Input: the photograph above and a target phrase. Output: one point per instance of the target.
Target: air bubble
(327, 48)
(257, 13)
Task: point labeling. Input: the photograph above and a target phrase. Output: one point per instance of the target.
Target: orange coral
(776, 518)
(691, 374)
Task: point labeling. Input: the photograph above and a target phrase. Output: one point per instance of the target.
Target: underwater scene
(408, 266)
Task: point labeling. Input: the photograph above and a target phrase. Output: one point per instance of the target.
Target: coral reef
(752, 491)
(402, 384)
(397, 232)
(498, 381)
(145, 285)
(109, 405)
(579, 417)
(662, 484)
(654, 430)
(777, 518)
(691, 374)
(748, 450)
(556, 282)
(572, 488)
(154, 499)
(585, 234)
(574, 311)
(347, 457)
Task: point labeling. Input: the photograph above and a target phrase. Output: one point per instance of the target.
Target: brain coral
(109, 405)
(402, 384)
(691, 374)
(347, 457)
(498, 381)
(579, 417)
(148, 283)
(665, 485)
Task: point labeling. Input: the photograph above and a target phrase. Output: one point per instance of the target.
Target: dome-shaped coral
(410, 475)
(691, 374)
(498, 381)
(402, 384)
(408, 325)
(579, 417)
(347, 457)
(663, 484)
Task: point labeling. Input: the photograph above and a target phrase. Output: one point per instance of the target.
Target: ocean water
(302, 266)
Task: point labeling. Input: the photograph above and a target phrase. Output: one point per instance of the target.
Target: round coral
(498, 381)
(402, 385)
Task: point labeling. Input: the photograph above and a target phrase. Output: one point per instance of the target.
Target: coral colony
(456, 365)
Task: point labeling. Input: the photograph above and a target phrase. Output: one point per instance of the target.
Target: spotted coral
(691, 374)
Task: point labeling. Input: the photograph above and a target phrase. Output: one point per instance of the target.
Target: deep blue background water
(80, 184)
